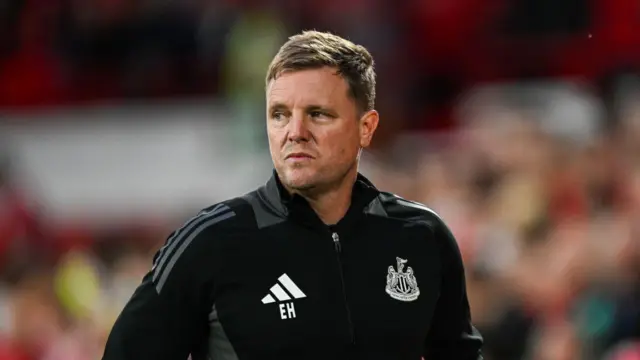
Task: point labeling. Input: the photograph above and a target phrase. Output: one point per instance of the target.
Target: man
(312, 265)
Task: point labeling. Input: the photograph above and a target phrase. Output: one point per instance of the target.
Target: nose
(298, 130)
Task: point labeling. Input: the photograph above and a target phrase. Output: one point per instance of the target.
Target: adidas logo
(287, 311)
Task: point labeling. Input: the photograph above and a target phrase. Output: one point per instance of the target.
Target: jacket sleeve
(452, 335)
(166, 316)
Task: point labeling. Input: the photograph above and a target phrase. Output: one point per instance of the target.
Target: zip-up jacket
(262, 277)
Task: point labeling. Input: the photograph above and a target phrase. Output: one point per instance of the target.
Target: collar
(297, 208)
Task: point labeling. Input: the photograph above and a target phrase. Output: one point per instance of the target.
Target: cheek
(343, 149)
(274, 136)
(274, 147)
(275, 153)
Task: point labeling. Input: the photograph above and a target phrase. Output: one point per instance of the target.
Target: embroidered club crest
(401, 285)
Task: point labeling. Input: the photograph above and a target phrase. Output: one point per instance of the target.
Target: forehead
(315, 86)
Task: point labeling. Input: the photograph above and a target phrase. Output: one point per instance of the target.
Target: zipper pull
(336, 242)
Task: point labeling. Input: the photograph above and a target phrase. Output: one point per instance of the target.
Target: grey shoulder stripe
(375, 207)
(417, 206)
(181, 233)
(264, 218)
(185, 244)
(216, 210)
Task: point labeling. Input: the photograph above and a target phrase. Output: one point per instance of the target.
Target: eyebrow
(317, 107)
(277, 106)
(308, 108)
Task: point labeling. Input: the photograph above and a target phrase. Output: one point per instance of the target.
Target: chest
(376, 285)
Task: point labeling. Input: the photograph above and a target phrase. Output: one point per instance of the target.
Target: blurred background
(518, 121)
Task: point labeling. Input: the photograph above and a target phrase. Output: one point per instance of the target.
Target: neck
(332, 204)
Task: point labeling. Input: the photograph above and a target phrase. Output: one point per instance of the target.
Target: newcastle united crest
(402, 285)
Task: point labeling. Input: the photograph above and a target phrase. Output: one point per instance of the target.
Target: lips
(299, 155)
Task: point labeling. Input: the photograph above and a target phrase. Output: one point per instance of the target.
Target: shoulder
(209, 225)
(397, 208)
(225, 215)
(216, 221)
(194, 242)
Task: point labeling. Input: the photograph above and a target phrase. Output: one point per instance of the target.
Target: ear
(368, 125)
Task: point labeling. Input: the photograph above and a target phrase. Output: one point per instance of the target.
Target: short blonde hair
(314, 49)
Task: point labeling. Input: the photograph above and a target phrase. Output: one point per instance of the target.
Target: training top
(262, 277)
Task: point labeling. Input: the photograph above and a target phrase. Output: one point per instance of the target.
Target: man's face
(315, 132)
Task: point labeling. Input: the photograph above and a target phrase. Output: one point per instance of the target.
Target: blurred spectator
(252, 42)
(21, 236)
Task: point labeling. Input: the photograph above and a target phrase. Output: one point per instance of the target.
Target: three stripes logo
(287, 310)
(180, 240)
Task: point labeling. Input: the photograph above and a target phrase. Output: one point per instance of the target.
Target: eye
(319, 114)
(277, 115)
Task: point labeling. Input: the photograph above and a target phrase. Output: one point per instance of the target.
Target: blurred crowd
(544, 204)
(56, 52)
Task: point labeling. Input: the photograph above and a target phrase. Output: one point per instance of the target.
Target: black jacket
(261, 277)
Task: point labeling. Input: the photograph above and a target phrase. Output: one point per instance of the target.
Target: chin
(299, 179)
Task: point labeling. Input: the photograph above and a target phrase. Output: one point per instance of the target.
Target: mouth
(299, 156)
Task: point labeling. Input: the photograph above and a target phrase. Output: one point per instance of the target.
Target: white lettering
(291, 311)
(287, 311)
(283, 312)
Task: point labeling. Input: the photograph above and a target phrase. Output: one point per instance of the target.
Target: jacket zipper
(338, 247)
